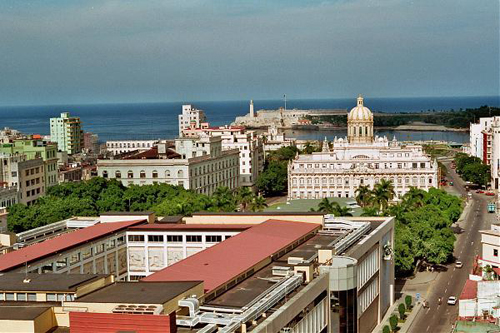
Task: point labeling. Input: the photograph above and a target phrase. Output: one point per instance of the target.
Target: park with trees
(99, 195)
(423, 221)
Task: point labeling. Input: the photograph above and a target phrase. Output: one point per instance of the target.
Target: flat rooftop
(24, 310)
(139, 292)
(191, 227)
(61, 243)
(45, 282)
(225, 261)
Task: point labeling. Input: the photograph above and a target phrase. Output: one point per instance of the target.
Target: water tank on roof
(343, 273)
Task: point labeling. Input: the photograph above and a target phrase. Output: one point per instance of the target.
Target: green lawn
(305, 205)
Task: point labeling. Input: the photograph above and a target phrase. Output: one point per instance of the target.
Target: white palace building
(360, 159)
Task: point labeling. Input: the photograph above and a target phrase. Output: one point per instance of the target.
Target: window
(118, 174)
(110, 244)
(142, 174)
(155, 174)
(74, 258)
(174, 238)
(120, 240)
(99, 248)
(213, 238)
(130, 174)
(155, 238)
(21, 297)
(495, 252)
(193, 238)
(136, 238)
(104, 174)
(61, 264)
(9, 297)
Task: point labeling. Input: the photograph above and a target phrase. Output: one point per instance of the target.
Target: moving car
(490, 194)
(458, 264)
(452, 300)
(479, 191)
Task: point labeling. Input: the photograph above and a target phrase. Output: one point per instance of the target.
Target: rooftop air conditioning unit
(281, 270)
(295, 260)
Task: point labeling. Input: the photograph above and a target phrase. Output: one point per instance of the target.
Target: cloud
(102, 51)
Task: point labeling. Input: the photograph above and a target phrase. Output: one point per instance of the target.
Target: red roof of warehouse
(173, 227)
(226, 260)
(470, 290)
(57, 244)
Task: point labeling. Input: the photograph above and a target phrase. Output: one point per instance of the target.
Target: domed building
(360, 159)
(360, 124)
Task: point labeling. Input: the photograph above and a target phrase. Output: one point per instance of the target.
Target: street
(450, 282)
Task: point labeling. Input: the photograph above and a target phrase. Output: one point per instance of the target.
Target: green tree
(325, 206)
(383, 193)
(408, 301)
(244, 196)
(370, 211)
(363, 196)
(341, 211)
(393, 321)
(274, 179)
(223, 200)
(401, 310)
(386, 329)
(258, 204)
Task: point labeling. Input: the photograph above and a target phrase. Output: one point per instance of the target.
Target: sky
(108, 51)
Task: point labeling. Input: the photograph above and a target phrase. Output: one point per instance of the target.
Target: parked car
(452, 300)
(490, 194)
(479, 191)
(451, 183)
(458, 264)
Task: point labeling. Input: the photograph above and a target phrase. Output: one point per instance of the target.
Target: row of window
(33, 171)
(401, 165)
(33, 182)
(31, 297)
(345, 181)
(177, 238)
(142, 174)
(130, 145)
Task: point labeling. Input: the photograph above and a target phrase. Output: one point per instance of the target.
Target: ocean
(160, 120)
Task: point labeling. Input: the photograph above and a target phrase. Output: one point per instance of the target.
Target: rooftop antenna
(284, 96)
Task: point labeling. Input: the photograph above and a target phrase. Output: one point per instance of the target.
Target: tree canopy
(472, 169)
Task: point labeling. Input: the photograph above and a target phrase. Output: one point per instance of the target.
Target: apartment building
(28, 176)
(249, 144)
(190, 117)
(35, 147)
(116, 147)
(91, 143)
(67, 132)
(197, 164)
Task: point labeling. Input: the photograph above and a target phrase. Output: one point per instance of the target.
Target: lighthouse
(252, 114)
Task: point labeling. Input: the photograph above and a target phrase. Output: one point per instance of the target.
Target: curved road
(440, 318)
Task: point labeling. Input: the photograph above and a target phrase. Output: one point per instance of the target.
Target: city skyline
(111, 51)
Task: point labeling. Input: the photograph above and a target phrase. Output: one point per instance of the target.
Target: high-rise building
(67, 132)
(33, 148)
(190, 116)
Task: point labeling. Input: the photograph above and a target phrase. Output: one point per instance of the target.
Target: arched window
(130, 174)
(155, 174)
(167, 174)
(309, 181)
(294, 181)
(180, 173)
(316, 180)
(142, 174)
(324, 180)
(104, 174)
(301, 180)
(118, 174)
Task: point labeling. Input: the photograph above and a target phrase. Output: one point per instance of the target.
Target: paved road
(440, 318)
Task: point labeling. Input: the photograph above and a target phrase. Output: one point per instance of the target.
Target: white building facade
(360, 159)
(190, 116)
(124, 146)
(203, 167)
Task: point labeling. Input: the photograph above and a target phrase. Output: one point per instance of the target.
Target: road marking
(429, 309)
(427, 328)
(445, 290)
(454, 268)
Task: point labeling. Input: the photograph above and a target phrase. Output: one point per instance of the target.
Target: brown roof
(23, 310)
(45, 282)
(139, 292)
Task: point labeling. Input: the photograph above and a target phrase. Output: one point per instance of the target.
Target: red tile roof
(57, 244)
(224, 261)
(470, 290)
(205, 227)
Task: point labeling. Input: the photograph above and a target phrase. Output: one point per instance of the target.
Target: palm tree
(414, 198)
(244, 197)
(326, 206)
(341, 211)
(258, 203)
(383, 193)
(370, 211)
(363, 196)
(223, 199)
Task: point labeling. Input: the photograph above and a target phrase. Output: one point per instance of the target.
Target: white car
(458, 264)
(452, 300)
